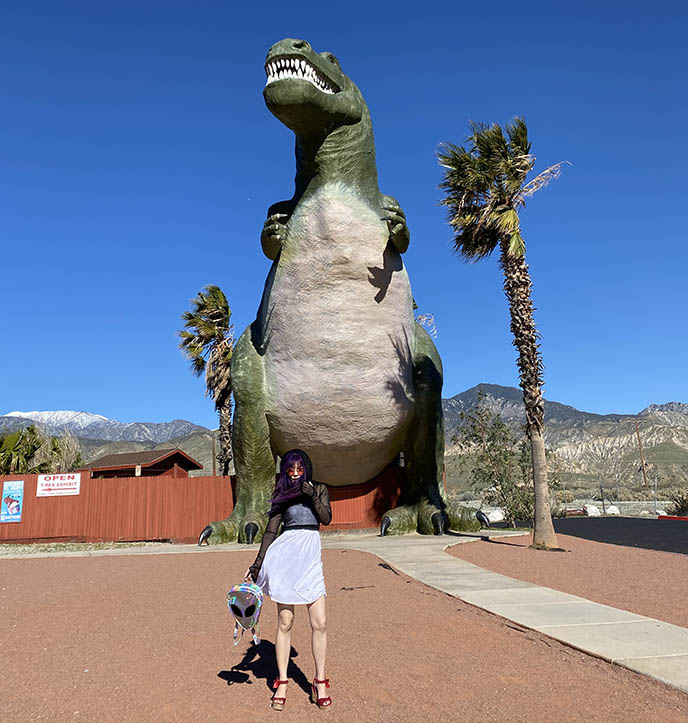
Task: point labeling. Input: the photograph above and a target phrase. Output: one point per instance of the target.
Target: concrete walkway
(642, 644)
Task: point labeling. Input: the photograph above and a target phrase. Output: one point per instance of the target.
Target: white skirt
(292, 569)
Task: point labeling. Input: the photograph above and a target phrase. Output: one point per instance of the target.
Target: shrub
(679, 504)
(557, 510)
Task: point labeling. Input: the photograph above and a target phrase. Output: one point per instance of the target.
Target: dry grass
(7, 549)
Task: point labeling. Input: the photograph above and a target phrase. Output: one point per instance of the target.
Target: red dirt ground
(148, 638)
(646, 582)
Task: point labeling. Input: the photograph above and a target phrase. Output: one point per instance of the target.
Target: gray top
(315, 502)
(299, 513)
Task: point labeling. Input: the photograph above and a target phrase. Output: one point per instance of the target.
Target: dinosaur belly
(338, 328)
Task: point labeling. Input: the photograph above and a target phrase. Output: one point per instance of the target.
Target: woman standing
(289, 568)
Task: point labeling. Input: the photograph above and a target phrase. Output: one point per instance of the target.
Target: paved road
(664, 535)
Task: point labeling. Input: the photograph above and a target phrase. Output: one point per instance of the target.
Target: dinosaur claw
(483, 519)
(384, 526)
(251, 530)
(203, 537)
(438, 523)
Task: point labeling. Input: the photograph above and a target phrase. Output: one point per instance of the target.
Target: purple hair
(285, 489)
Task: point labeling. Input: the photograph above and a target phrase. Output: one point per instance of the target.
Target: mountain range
(95, 426)
(590, 448)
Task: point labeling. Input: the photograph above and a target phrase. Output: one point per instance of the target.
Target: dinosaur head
(308, 91)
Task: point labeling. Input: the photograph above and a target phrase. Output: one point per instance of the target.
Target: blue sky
(138, 162)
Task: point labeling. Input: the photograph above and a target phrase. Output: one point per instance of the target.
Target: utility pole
(212, 436)
(642, 459)
(655, 492)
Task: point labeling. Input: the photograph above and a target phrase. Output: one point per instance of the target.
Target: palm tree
(18, 452)
(485, 188)
(208, 343)
(58, 454)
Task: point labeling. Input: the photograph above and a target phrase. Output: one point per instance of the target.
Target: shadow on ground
(260, 661)
(663, 535)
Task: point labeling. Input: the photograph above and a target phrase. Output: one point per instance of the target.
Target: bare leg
(285, 619)
(318, 620)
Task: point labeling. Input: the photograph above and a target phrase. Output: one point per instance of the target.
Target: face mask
(244, 602)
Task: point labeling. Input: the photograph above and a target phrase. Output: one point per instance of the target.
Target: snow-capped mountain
(74, 420)
(95, 426)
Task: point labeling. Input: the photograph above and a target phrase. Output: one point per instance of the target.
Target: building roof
(146, 458)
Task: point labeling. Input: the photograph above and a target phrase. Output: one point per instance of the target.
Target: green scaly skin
(334, 143)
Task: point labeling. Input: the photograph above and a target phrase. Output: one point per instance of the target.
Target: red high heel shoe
(320, 702)
(278, 703)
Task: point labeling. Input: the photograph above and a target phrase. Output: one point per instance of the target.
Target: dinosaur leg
(424, 505)
(254, 462)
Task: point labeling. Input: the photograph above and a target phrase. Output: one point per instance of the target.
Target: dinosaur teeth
(299, 69)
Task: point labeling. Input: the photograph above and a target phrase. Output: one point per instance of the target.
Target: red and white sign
(57, 485)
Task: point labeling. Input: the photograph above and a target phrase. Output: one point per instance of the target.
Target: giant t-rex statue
(334, 363)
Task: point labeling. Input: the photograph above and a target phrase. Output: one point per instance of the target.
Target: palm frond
(541, 180)
(518, 137)
(517, 246)
(485, 185)
(507, 221)
(208, 339)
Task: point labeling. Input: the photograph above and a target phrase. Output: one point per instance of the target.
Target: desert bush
(557, 510)
(501, 469)
(566, 496)
(671, 493)
(679, 504)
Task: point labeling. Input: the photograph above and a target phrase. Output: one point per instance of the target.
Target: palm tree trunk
(517, 286)
(224, 456)
(543, 533)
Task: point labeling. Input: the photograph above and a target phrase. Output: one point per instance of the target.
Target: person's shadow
(260, 660)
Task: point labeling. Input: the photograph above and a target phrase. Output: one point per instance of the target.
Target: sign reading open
(58, 485)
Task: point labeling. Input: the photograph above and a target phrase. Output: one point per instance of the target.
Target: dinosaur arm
(269, 536)
(396, 223)
(274, 229)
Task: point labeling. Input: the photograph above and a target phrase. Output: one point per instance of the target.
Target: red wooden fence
(168, 508)
(125, 508)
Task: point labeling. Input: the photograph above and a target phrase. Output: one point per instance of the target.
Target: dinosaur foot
(244, 527)
(423, 517)
(462, 518)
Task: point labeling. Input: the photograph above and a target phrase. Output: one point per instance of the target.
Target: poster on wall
(12, 500)
(58, 485)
